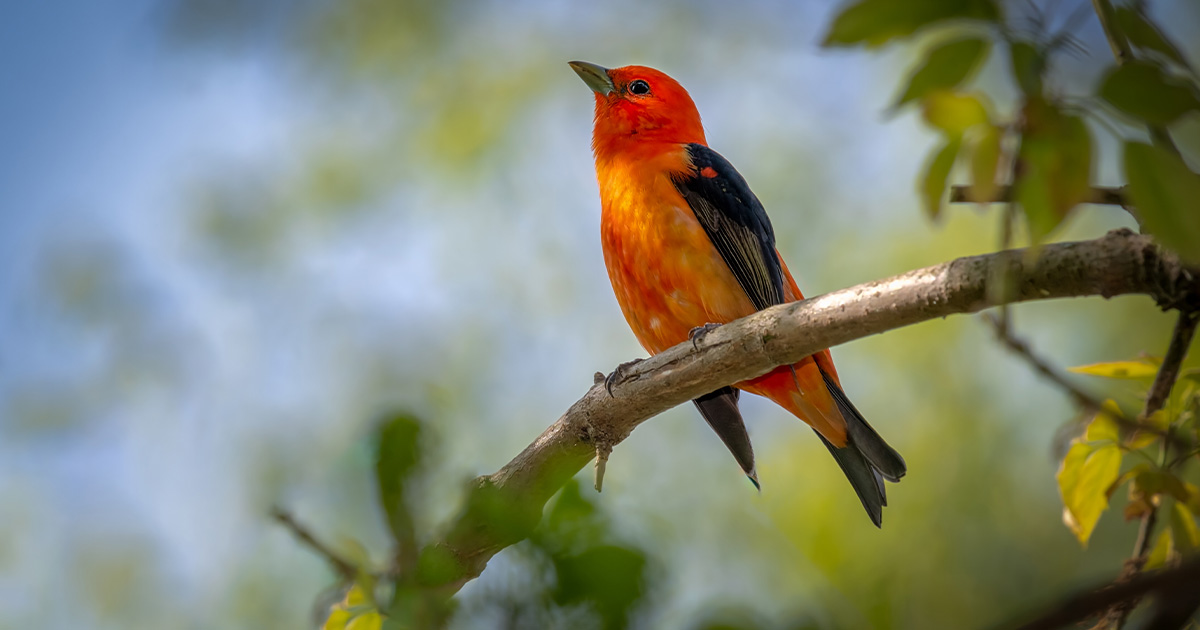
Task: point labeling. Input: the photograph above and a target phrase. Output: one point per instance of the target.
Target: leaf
(876, 22)
(945, 67)
(1145, 92)
(397, 455)
(984, 161)
(952, 112)
(610, 577)
(1028, 66)
(1184, 531)
(354, 606)
(367, 621)
(1137, 368)
(1141, 439)
(1144, 34)
(1165, 192)
(1160, 551)
(1083, 480)
(1103, 427)
(1054, 166)
(933, 182)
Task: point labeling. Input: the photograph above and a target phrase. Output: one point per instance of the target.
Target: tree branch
(1101, 195)
(1166, 583)
(1119, 263)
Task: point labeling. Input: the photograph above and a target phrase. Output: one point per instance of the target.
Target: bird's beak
(596, 77)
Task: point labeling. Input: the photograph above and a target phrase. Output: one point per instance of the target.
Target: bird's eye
(639, 87)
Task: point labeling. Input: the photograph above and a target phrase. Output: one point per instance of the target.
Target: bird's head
(638, 106)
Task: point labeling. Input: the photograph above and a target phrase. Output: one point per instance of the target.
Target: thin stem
(344, 568)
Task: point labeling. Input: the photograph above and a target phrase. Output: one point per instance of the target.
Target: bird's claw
(697, 333)
(619, 375)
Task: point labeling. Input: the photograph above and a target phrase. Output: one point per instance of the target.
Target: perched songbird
(687, 246)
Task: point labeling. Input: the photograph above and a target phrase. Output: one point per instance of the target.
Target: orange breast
(667, 275)
(669, 278)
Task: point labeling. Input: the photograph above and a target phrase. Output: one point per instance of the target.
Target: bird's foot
(697, 333)
(619, 375)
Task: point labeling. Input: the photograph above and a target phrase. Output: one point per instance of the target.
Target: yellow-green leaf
(1184, 531)
(1084, 478)
(933, 182)
(1054, 166)
(984, 160)
(1165, 193)
(1145, 92)
(367, 621)
(1103, 427)
(1161, 550)
(1138, 368)
(945, 67)
(952, 112)
(338, 618)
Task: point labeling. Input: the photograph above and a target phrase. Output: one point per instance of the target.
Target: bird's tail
(866, 459)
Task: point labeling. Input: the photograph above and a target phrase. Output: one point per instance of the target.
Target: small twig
(1168, 372)
(1101, 195)
(602, 454)
(1080, 607)
(1021, 348)
(340, 565)
(1085, 400)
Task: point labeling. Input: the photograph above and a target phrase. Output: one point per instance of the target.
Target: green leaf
(984, 161)
(1054, 166)
(945, 68)
(1167, 196)
(1145, 92)
(876, 22)
(397, 455)
(933, 183)
(1084, 478)
(1138, 368)
(1104, 427)
(609, 577)
(1028, 66)
(1144, 34)
(952, 112)
(1184, 531)
(1160, 551)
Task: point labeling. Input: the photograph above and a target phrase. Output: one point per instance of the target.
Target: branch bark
(1101, 195)
(504, 507)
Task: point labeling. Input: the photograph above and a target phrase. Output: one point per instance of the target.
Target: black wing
(735, 222)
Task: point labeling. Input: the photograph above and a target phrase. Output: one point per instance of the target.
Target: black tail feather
(720, 409)
(862, 437)
(867, 481)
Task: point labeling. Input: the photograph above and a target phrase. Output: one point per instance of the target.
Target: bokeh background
(234, 233)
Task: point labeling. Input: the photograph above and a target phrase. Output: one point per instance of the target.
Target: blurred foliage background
(236, 233)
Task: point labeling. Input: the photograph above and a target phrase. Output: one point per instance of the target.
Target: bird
(688, 247)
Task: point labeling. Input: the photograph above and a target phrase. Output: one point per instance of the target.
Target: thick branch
(1119, 263)
(1167, 583)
